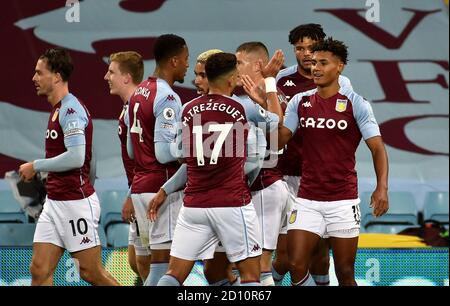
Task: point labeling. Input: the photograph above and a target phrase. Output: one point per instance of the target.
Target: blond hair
(130, 62)
(203, 57)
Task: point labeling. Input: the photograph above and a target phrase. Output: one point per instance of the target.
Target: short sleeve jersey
(153, 113)
(69, 119)
(331, 130)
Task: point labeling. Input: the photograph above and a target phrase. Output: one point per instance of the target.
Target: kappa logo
(290, 83)
(307, 104)
(85, 240)
(70, 111)
(256, 247)
(170, 98)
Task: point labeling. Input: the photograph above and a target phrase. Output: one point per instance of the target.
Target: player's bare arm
(284, 135)
(128, 210)
(155, 204)
(379, 199)
(269, 73)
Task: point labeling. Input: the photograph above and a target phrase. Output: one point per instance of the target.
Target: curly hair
(311, 30)
(338, 48)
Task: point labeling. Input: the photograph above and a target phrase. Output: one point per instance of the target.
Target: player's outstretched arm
(269, 73)
(379, 199)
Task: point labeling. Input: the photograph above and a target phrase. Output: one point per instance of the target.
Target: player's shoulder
(241, 99)
(286, 72)
(302, 95)
(193, 102)
(355, 99)
(70, 105)
(165, 92)
(345, 81)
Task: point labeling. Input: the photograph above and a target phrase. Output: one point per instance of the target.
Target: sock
(251, 283)
(157, 270)
(237, 282)
(277, 277)
(306, 281)
(168, 280)
(267, 279)
(223, 282)
(321, 280)
(235, 272)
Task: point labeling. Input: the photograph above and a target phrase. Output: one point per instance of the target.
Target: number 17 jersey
(215, 130)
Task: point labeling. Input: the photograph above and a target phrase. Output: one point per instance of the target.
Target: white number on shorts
(82, 227)
(136, 127)
(197, 130)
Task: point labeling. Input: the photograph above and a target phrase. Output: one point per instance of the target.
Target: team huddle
(255, 177)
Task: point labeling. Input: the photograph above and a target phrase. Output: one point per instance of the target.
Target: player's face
(201, 82)
(303, 52)
(43, 78)
(182, 64)
(245, 65)
(325, 68)
(116, 80)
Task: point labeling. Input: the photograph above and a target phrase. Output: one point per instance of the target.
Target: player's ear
(128, 78)
(174, 61)
(341, 67)
(57, 78)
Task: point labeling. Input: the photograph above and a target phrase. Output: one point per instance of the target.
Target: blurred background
(399, 60)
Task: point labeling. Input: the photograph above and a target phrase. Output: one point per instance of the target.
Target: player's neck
(165, 75)
(328, 91)
(305, 73)
(126, 95)
(57, 95)
(220, 91)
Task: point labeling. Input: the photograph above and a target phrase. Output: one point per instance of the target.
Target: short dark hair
(167, 46)
(58, 61)
(219, 64)
(311, 30)
(338, 48)
(253, 46)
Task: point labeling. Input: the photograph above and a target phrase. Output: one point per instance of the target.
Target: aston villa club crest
(341, 105)
(55, 115)
(293, 217)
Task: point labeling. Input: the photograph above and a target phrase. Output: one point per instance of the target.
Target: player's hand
(26, 172)
(379, 202)
(128, 211)
(255, 92)
(155, 204)
(273, 67)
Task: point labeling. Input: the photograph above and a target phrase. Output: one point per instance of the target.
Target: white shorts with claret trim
(340, 219)
(199, 231)
(270, 205)
(157, 234)
(72, 225)
(293, 184)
